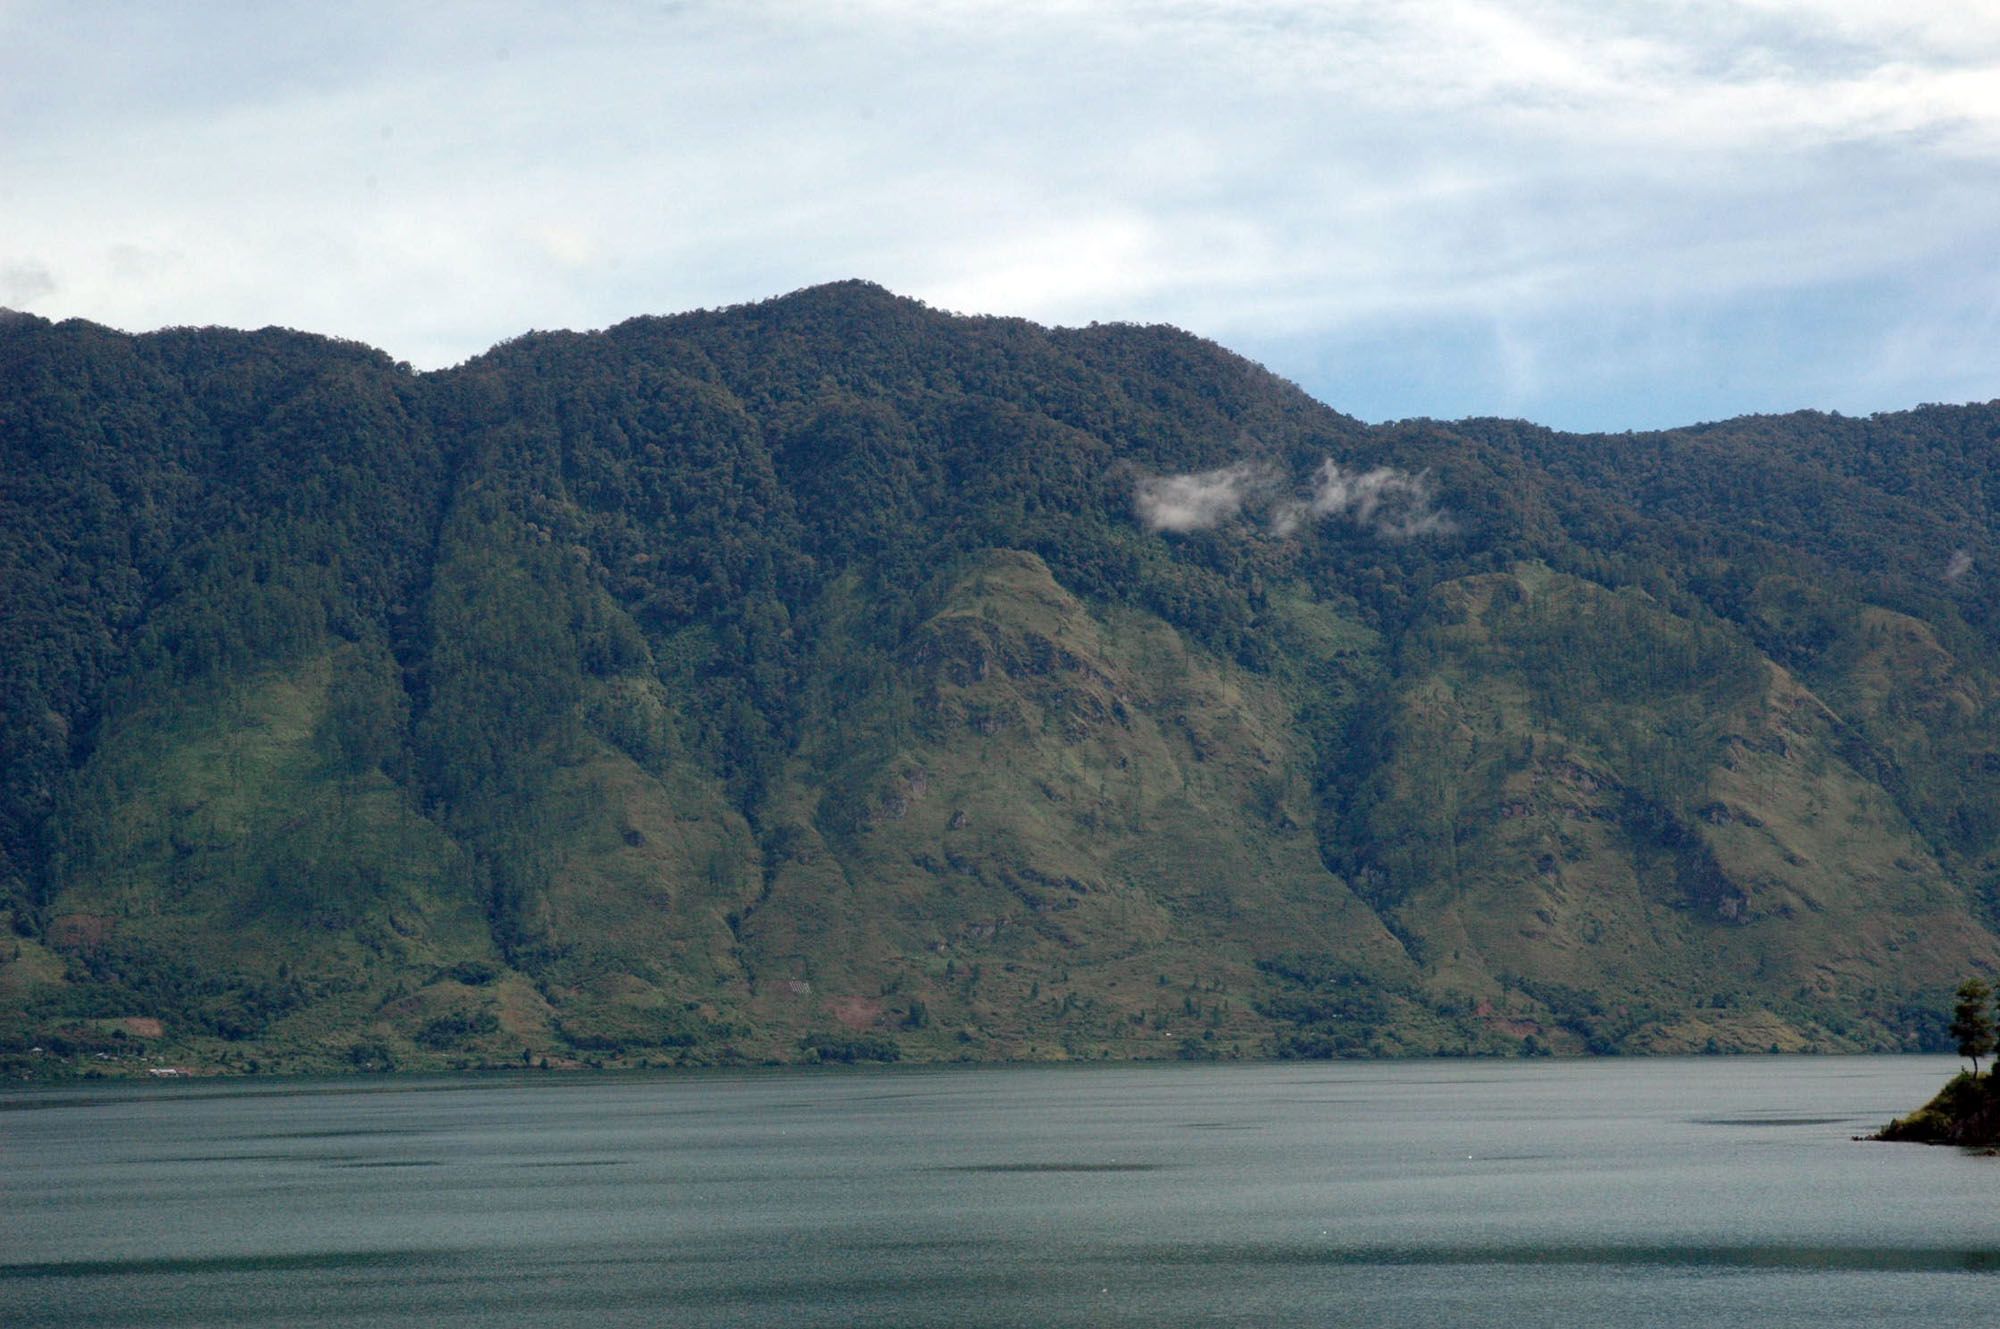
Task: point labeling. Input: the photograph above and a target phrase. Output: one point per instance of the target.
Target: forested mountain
(834, 678)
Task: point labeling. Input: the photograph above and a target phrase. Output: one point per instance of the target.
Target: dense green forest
(832, 678)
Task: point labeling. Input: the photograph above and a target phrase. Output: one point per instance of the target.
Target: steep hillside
(832, 678)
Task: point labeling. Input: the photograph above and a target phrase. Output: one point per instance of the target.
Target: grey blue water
(1707, 1192)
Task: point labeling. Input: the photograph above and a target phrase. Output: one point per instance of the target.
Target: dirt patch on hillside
(855, 1012)
(80, 932)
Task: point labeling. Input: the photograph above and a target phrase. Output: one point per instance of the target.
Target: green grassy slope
(1683, 841)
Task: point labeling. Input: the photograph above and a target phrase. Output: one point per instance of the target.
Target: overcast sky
(1589, 214)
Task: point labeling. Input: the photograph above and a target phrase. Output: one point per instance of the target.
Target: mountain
(834, 678)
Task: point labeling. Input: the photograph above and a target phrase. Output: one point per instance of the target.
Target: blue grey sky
(1590, 214)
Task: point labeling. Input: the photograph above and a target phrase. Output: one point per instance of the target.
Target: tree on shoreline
(1972, 1022)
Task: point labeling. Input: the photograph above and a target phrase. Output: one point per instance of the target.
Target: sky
(1589, 214)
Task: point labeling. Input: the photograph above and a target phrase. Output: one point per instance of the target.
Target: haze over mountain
(835, 678)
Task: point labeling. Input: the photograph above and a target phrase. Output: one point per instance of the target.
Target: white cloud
(24, 282)
(1386, 500)
(1183, 503)
(434, 178)
(1383, 499)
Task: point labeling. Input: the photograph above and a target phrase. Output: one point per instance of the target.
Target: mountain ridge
(831, 677)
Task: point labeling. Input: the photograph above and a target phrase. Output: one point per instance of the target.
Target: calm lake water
(1689, 1193)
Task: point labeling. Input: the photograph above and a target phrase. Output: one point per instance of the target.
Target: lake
(1693, 1193)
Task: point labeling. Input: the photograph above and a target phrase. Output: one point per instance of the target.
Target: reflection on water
(1710, 1192)
(1769, 1121)
(1050, 1167)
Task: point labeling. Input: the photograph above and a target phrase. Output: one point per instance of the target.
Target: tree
(1971, 1024)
